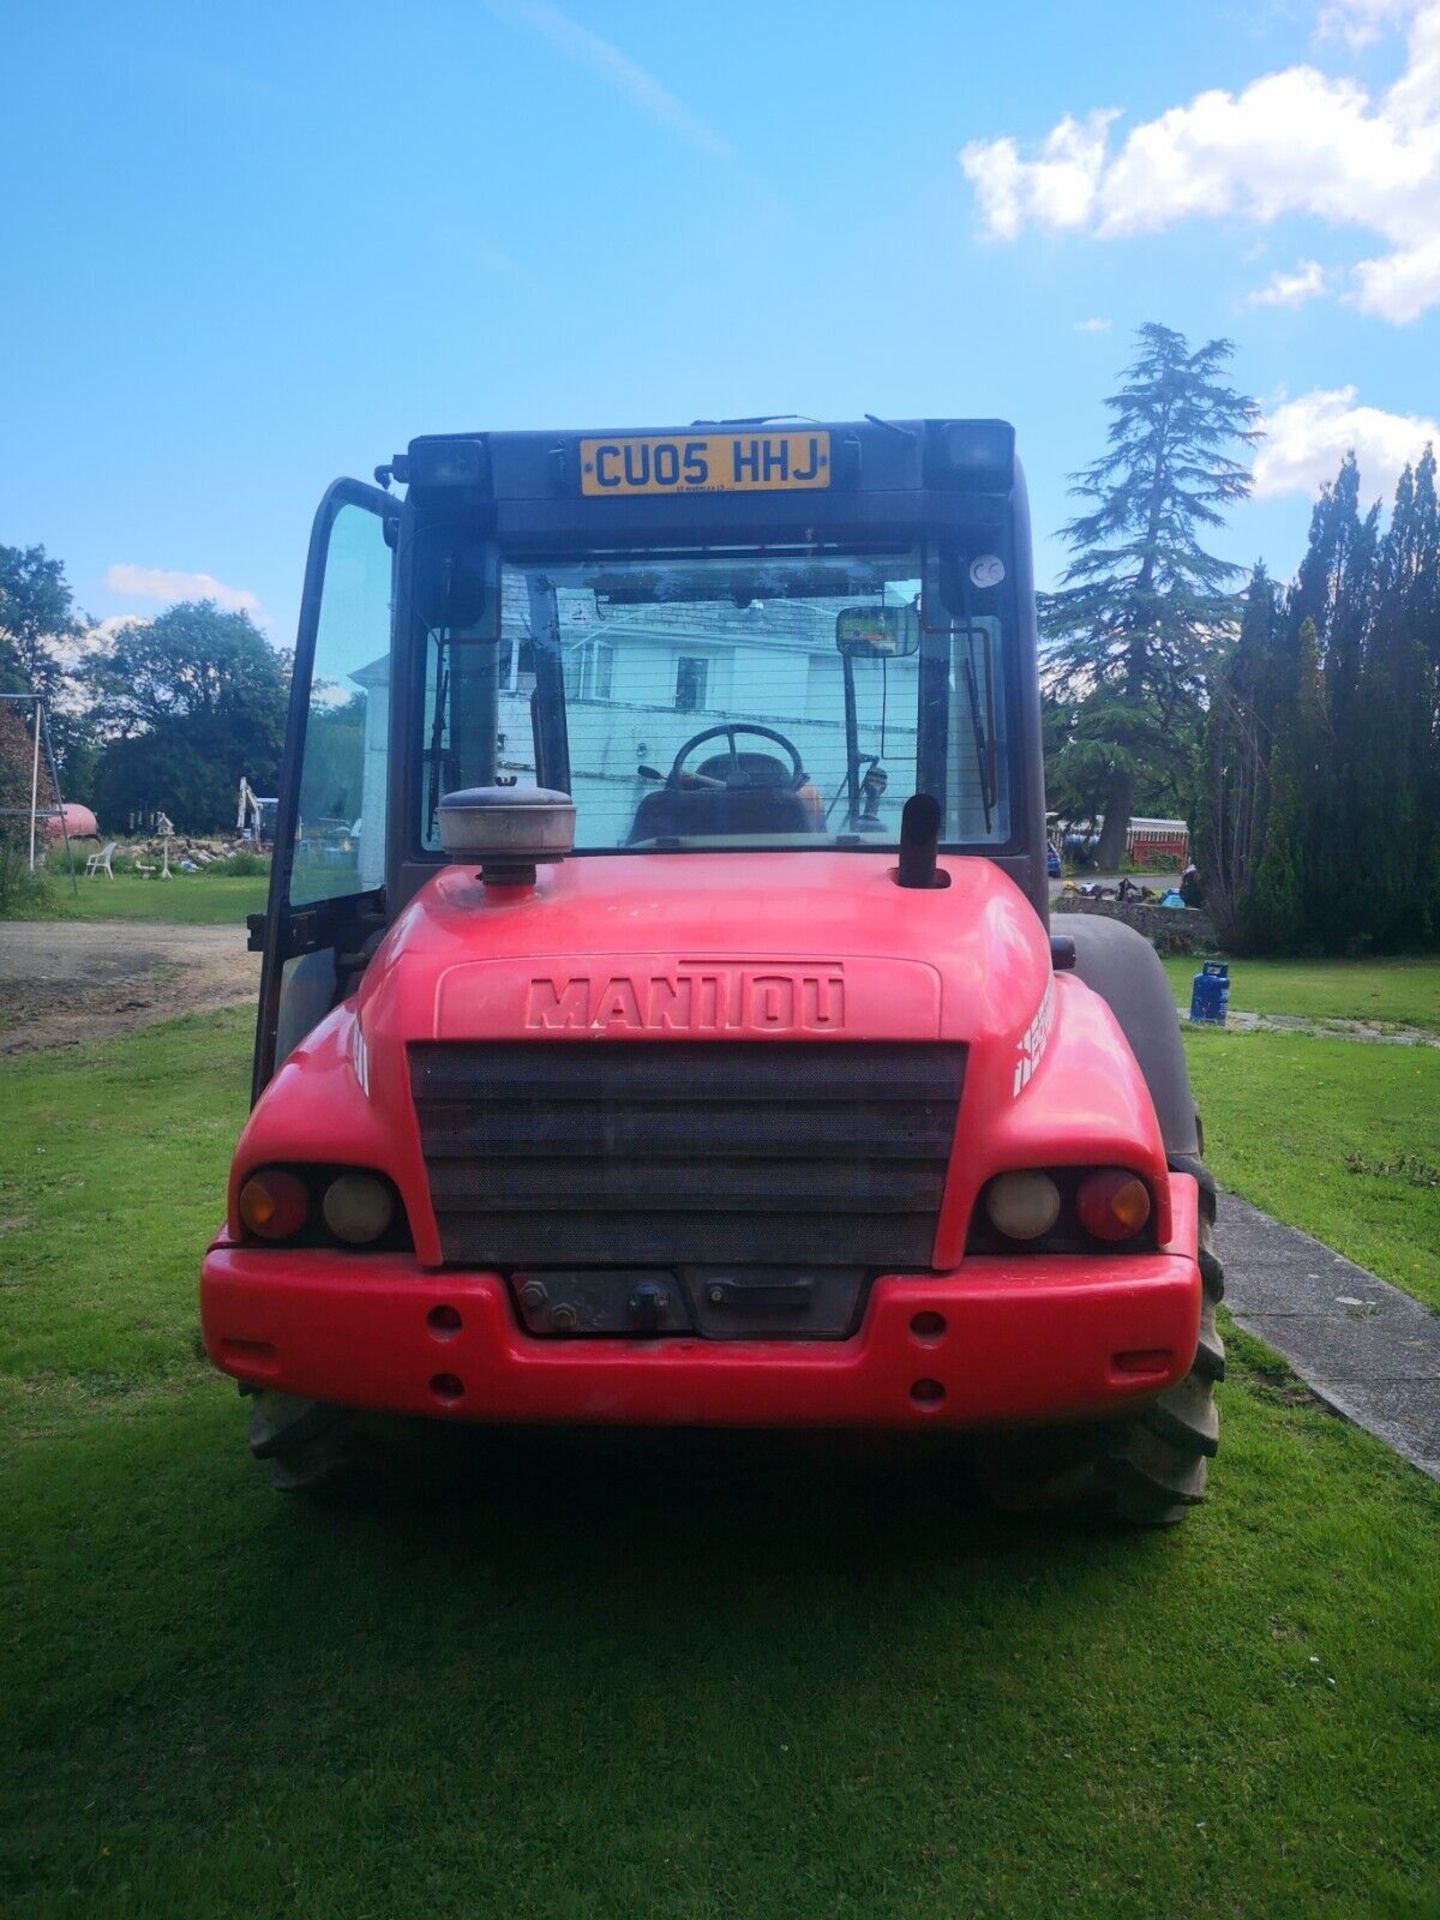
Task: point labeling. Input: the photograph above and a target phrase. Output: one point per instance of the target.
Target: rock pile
(1169, 929)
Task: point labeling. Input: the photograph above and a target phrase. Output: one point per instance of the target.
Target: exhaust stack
(919, 842)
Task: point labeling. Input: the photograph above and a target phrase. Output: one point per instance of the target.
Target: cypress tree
(1276, 908)
(1320, 818)
(1232, 797)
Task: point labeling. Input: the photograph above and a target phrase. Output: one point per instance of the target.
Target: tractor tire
(337, 1456)
(1146, 1471)
(309, 1447)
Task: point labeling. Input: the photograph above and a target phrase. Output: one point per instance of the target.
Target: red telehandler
(660, 1022)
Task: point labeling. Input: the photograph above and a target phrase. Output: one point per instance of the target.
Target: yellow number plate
(736, 462)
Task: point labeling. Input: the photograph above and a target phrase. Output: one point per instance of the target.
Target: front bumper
(1043, 1339)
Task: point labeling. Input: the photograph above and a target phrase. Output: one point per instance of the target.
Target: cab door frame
(340, 923)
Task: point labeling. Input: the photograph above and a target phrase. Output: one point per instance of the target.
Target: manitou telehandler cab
(659, 1022)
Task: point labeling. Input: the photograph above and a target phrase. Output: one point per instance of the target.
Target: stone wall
(1169, 929)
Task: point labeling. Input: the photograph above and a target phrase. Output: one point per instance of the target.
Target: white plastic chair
(100, 862)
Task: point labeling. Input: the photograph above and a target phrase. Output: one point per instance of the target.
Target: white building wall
(793, 683)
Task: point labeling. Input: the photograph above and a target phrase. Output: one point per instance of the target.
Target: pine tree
(1142, 606)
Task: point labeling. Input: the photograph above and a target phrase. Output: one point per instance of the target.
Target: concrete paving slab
(1404, 1414)
(1270, 1288)
(1365, 1348)
(1263, 1240)
(1375, 1349)
(1368, 1032)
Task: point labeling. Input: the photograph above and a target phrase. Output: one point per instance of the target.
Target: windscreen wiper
(977, 726)
(437, 734)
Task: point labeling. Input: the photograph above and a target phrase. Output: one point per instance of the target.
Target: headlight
(358, 1208)
(1063, 1210)
(318, 1206)
(1022, 1206)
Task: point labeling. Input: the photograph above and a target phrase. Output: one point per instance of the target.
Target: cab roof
(869, 455)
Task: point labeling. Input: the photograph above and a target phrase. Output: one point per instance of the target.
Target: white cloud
(1291, 289)
(78, 648)
(1361, 22)
(1402, 285)
(1307, 438)
(589, 50)
(1293, 142)
(165, 583)
(1092, 326)
(1057, 190)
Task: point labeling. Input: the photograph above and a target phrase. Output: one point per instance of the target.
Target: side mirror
(877, 633)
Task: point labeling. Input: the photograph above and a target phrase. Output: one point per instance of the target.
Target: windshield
(729, 699)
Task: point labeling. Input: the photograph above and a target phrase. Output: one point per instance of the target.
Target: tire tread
(1149, 1470)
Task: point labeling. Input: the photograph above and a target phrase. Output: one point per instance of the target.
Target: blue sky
(249, 249)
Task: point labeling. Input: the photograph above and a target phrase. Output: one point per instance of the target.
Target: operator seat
(767, 804)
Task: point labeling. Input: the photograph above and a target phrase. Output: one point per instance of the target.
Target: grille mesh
(832, 1153)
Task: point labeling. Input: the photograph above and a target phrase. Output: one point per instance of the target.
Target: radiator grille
(832, 1153)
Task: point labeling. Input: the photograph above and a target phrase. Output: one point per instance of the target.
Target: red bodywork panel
(1022, 1341)
(672, 949)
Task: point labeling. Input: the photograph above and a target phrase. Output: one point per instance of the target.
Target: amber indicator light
(1112, 1204)
(274, 1205)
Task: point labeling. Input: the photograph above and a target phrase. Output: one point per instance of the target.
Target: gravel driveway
(63, 982)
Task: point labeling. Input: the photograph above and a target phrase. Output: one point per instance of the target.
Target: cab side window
(340, 832)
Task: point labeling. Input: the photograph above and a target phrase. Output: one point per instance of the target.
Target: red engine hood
(682, 948)
(712, 947)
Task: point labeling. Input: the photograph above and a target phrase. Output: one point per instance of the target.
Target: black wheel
(308, 1446)
(1147, 1471)
(339, 1457)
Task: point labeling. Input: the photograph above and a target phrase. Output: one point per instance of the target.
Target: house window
(517, 665)
(588, 671)
(599, 664)
(691, 676)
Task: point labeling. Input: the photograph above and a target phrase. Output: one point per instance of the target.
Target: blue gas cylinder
(1210, 993)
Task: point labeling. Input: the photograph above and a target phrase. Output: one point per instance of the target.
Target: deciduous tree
(191, 700)
(37, 608)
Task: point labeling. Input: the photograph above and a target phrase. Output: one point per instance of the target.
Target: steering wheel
(736, 775)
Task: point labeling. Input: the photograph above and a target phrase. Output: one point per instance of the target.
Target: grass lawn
(186, 899)
(596, 1690)
(1336, 1137)
(1402, 992)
